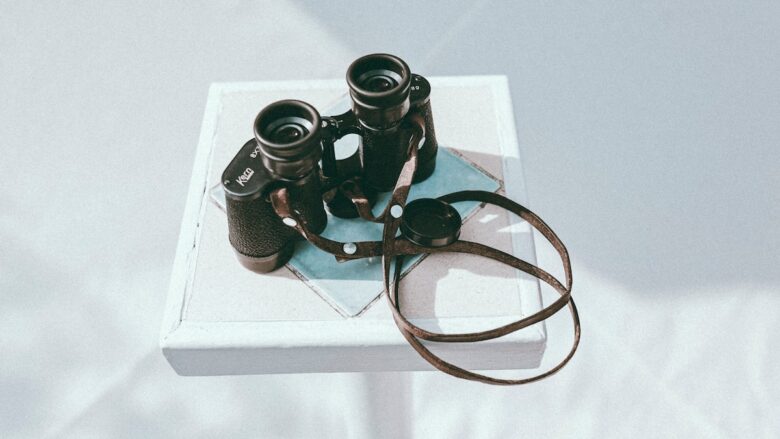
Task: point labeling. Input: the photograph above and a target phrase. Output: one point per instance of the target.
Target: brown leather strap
(363, 207)
(413, 333)
(489, 252)
(280, 200)
(402, 185)
(395, 247)
(459, 372)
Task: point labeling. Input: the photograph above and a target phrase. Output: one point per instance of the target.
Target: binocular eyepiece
(379, 86)
(288, 134)
(293, 147)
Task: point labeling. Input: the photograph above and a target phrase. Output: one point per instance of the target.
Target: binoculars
(278, 186)
(293, 147)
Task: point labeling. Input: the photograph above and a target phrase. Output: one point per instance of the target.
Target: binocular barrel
(285, 151)
(383, 92)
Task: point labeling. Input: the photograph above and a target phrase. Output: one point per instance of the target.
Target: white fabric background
(650, 133)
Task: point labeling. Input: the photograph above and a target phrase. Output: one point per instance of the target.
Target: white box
(222, 319)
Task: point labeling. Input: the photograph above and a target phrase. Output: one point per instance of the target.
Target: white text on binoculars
(244, 178)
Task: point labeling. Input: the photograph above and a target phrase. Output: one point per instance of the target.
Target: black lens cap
(429, 222)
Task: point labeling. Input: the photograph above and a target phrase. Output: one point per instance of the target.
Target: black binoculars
(293, 147)
(279, 184)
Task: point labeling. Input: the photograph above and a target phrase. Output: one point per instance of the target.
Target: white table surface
(225, 320)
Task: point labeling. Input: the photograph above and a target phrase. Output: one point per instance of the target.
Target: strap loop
(392, 247)
(414, 334)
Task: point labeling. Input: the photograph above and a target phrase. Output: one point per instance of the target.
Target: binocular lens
(379, 80)
(288, 130)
